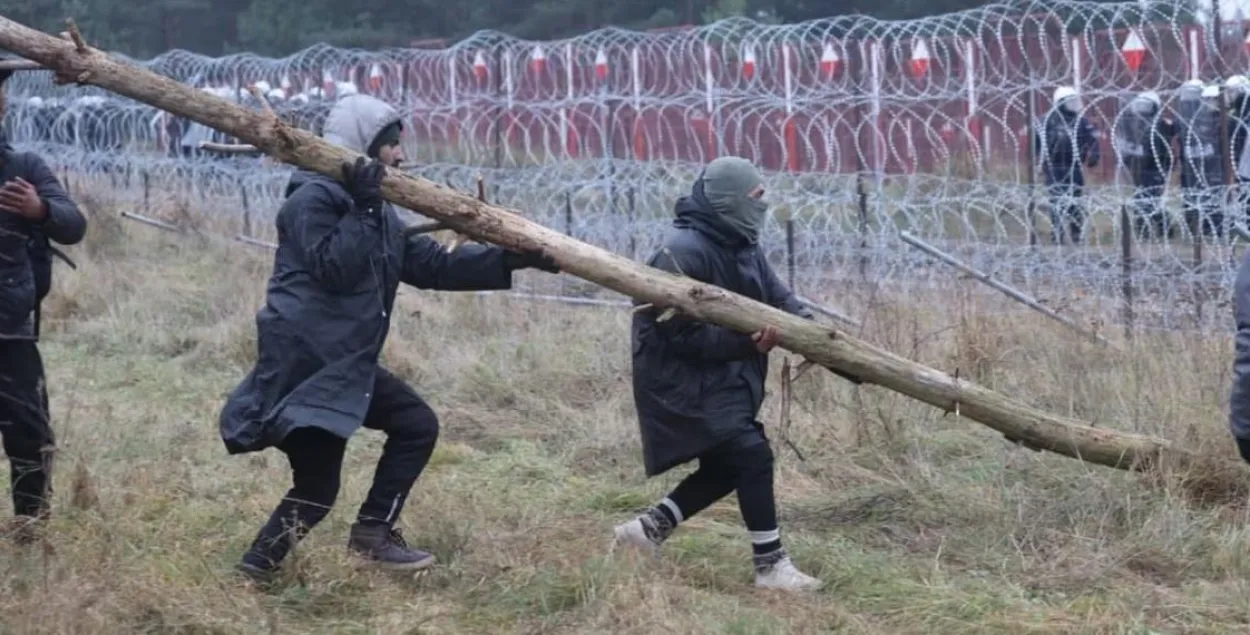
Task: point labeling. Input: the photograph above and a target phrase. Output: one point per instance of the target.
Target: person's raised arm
(336, 237)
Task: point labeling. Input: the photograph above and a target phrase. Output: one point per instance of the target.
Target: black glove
(535, 259)
(364, 182)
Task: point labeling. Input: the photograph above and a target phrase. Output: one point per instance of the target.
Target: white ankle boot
(634, 534)
(785, 576)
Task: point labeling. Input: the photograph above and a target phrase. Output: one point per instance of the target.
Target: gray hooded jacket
(328, 306)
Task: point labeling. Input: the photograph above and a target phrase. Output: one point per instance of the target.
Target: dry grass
(921, 523)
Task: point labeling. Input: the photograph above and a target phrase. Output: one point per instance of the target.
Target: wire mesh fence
(867, 130)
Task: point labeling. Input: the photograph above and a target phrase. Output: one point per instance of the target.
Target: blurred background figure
(1143, 143)
(1237, 90)
(1063, 141)
(1202, 166)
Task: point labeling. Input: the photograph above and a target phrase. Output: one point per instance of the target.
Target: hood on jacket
(356, 120)
(353, 123)
(720, 204)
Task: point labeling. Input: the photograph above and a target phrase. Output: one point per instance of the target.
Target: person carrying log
(34, 212)
(698, 387)
(1239, 395)
(341, 256)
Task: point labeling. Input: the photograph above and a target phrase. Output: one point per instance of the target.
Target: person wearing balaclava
(1143, 142)
(1064, 141)
(317, 379)
(35, 211)
(1202, 165)
(698, 387)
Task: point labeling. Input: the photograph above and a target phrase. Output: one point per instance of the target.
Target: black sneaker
(258, 576)
(385, 547)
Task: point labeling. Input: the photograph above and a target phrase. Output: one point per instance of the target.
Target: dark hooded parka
(329, 299)
(697, 385)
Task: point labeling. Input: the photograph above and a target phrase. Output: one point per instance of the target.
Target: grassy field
(919, 522)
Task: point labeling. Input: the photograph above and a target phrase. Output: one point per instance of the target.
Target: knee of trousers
(317, 492)
(754, 463)
(417, 425)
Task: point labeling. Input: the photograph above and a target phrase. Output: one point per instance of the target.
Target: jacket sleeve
(780, 296)
(336, 246)
(691, 339)
(1091, 150)
(64, 224)
(1239, 397)
(427, 265)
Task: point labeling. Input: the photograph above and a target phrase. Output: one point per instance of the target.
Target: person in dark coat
(1202, 165)
(34, 212)
(341, 256)
(1143, 141)
(698, 387)
(1064, 141)
(1239, 396)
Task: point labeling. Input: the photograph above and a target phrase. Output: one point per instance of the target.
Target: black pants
(25, 426)
(1204, 210)
(743, 464)
(1067, 217)
(1243, 448)
(316, 459)
(1150, 220)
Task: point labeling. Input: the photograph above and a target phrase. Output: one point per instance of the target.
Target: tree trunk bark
(462, 212)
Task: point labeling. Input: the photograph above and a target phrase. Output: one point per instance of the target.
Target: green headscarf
(727, 183)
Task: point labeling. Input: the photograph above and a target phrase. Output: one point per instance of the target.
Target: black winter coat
(328, 311)
(697, 384)
(25, 252)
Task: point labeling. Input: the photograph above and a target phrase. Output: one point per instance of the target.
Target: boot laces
(397, 538)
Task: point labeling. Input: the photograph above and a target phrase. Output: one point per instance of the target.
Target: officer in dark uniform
(1202, 165)
(1143, 142)
(1063, 141)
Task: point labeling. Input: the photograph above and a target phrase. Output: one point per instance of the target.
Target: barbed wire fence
(883, 142)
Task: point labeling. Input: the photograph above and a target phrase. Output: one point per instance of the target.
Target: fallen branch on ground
(667, 293)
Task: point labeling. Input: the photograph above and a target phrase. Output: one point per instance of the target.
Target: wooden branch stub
(228, 148)
(79, 43)
(264, 102)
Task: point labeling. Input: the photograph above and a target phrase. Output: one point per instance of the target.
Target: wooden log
(665, 292)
